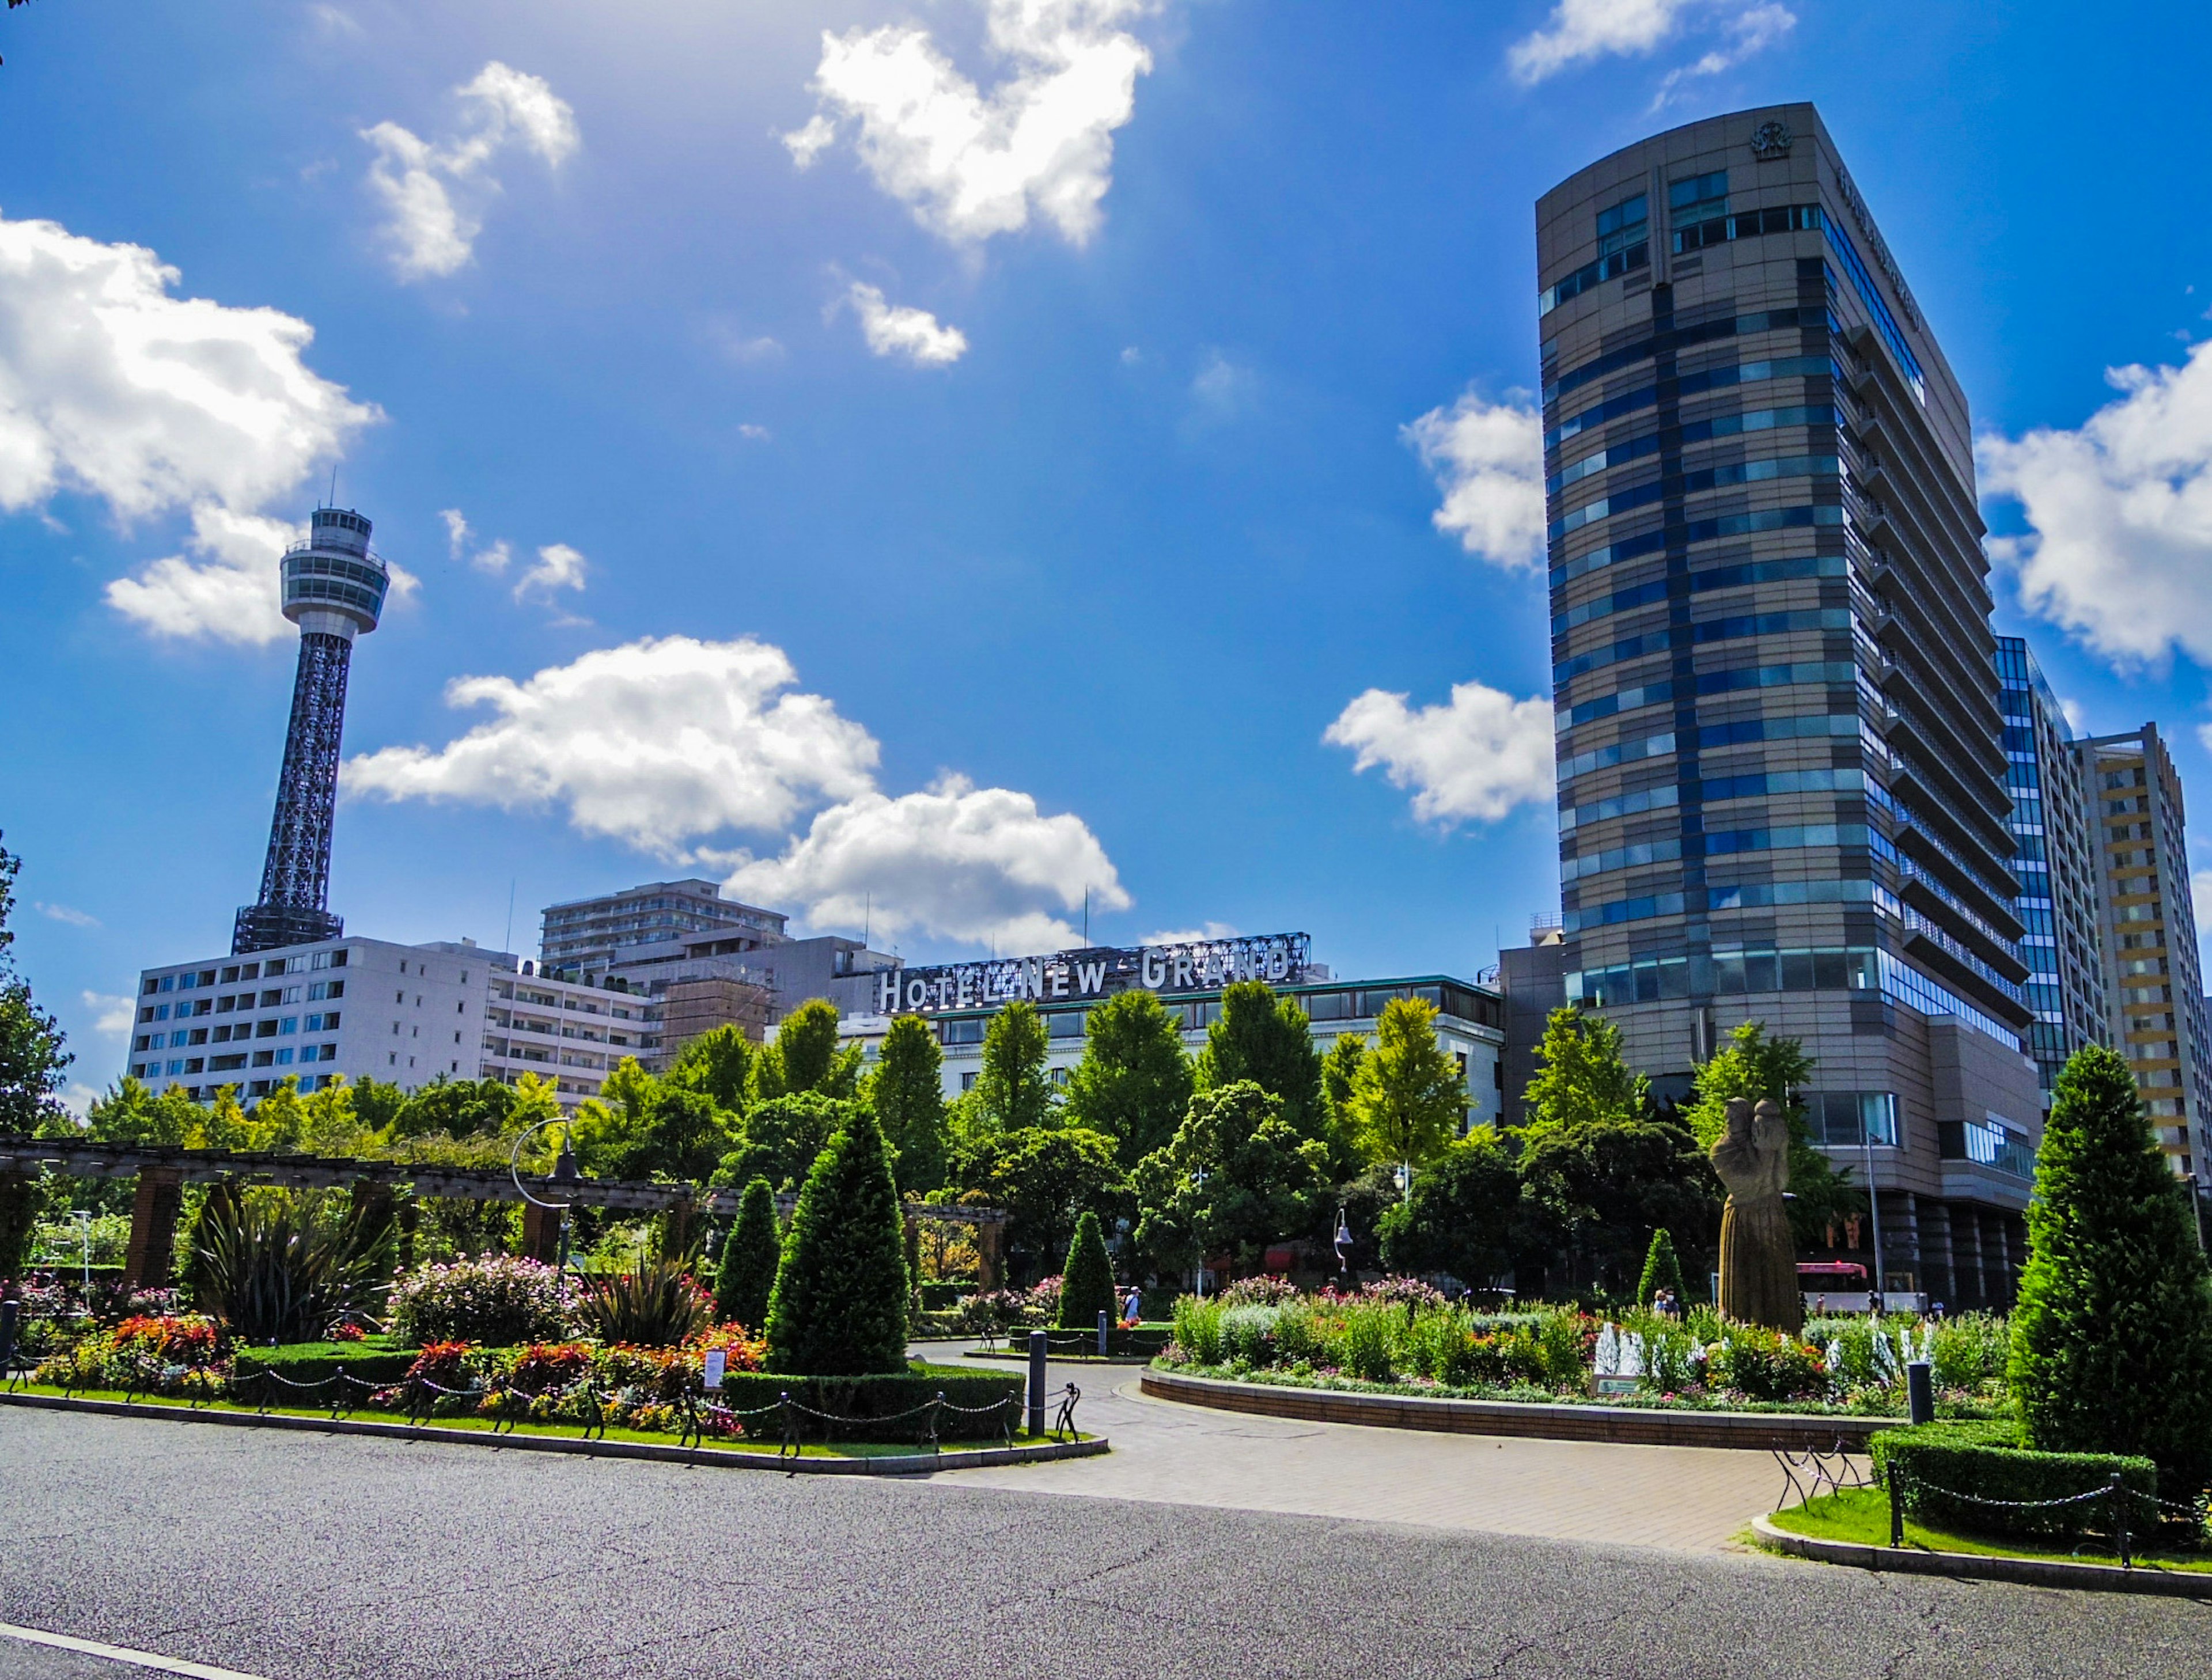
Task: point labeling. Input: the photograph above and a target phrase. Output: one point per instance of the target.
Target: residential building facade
(1782, 779)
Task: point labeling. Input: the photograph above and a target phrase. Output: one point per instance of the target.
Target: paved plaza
(291, 1557)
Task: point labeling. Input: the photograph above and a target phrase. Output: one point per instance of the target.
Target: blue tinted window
(1698, 190)
(1630, 212)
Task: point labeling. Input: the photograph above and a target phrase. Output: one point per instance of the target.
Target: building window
(967, 1081)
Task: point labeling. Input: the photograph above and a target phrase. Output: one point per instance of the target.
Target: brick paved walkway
(1682, 1498)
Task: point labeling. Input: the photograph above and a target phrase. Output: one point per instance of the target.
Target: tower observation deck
(333, 590)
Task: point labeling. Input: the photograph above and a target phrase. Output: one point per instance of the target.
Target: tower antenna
(333, 502)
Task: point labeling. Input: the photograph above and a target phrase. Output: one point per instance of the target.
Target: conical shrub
(1661, 1270)
(745, 1276)
(1086, 1284)
(839, 1305)
(2112, 1339)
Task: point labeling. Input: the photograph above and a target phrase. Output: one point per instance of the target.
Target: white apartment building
(361, 1008)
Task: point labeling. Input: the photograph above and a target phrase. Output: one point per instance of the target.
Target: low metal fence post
(2119, 1497)
(1919, 1392)
(1037, 1382)
(1895, 1478)
(1101, 1332)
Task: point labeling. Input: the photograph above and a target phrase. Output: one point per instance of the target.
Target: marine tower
(333, 590)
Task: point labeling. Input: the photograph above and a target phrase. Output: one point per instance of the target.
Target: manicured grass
(1861, 1517)
(652, 1437)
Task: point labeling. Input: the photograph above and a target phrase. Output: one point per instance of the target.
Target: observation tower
(333, 590)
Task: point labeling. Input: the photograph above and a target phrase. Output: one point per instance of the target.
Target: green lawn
(810, 1449)
(1861, 1517)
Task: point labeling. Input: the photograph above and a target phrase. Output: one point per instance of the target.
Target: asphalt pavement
(290, 1556)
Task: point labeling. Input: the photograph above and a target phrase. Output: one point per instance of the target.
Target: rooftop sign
(1203, 965)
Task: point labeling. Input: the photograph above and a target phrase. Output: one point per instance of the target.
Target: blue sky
(927, 460)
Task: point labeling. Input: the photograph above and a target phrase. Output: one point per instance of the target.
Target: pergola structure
(163, 1170)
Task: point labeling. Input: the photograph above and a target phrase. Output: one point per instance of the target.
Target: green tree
(1408, 1096)
(1661, 1270)
(1340, 1071)
(1598, 1188)
(1459, 1214)
(1751, 1065)
(1086, 1279)
(1235, 1179)
(2112, 1339)
(640, 1127)
(378, 1104)
(908, 1091)
(1045, 1178)
(1584, 1078)
(1134, 1080)
(779, 1139)
(1013, 1091)
(462, 1107)
(804, 1056)
(717, 1064)
(131, 1113)
(1269, 1041)
(32, 1058)
(840, 1301)
(745, 1276)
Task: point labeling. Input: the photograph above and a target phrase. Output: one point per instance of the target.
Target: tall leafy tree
(717, 1064)
(1046, 1178)
(839, 1305)
(131, 1113)
(779, 1139)
(745, 1275)
(2112, 1339)
(804, 1056)
(1751, 1065)
(1408, 1097)
(1600, 1188)
(1269, 1042)
(641, 1127)
(1235, 1179)
(1459, 1216)
(1584, 1076)
(908, 1092)
(32, 1056)
(1134, 1080)
(1013, 1091)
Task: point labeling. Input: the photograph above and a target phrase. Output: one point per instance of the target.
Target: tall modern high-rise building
(2154, 989)
(2058, 873)
(1782, 774)
(333, 590)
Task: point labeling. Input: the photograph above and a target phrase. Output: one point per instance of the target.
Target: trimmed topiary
(745, 1276)
(2112, 1340)
(1662, 1271)
(839, 1305)
(1087, 1285)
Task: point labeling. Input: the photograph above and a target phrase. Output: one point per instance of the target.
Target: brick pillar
(676, 1229)
(154, 1213)
(540, 1234)
(989, 1267)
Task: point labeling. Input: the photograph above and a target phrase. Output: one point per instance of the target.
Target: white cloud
(229, 594)
(1750, 33)
(1471, 761)
(740, 347)
(111, 387)
(753, 434)
(1221, 388)
(899, 331)
(955, 861)
(2119, 548)
(1189, 936)
(67, 917)
(433, 194)
(1488, 460)
(112, 1016)
(559, 567)
(973, 164)
(656, 743)
(1580, 30)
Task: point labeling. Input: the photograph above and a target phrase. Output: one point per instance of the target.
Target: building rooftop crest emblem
(1769, 141)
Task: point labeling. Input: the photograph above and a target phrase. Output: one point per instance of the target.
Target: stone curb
(1019, 1357)
(1628, 1426)
(1971, 1566)
(904, 1464)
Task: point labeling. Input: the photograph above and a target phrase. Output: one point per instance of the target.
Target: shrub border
(903, 1464)
(1977, 1566)
(1631, 1426)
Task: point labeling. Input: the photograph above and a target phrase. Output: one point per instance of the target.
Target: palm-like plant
(657, 1305)
(270, 1268)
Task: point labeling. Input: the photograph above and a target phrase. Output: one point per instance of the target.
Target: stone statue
(1758, 1256)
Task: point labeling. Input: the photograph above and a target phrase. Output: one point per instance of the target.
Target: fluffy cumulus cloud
(111, 1016)
(2118, 549)
(1578, 31)
(1488, 460)
(954, 861)
(670, 745)
(657, 744)
(912, 335)
(973, 163)
(433, 193)
(559, 567)
(1471, 760)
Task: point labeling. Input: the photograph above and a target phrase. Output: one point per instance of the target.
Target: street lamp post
(1198, 1177)
(565, 1172)
(1343, 1245)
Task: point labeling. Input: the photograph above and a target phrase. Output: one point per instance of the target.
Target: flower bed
(1401, 1337)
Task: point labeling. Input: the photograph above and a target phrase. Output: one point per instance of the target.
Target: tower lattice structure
(333, 590)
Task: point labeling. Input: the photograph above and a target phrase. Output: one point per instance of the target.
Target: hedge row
(879, 1403)
(1939, 1461)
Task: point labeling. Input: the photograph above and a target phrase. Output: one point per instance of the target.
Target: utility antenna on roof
(333, 502)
